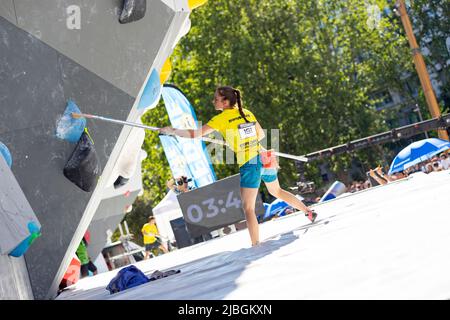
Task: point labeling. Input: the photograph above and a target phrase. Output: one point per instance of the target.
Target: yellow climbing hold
(165, 71)
(196, 3)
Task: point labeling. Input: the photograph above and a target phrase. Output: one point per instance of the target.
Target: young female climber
(242, 132)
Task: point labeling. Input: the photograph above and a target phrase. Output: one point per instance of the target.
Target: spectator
(413, 169)
(179, 185)
(397, 175)
(379, 176)
(445, 161)
(361, 185)
(150, 232)
(427, 167)
(82, 254)
(423, 166)
(355, 187)
(436, 164)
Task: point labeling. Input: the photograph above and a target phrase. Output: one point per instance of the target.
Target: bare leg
(378, 179)
(275, 190)
(146, 255)
(384, 176)
(248, 197)
(163, 248)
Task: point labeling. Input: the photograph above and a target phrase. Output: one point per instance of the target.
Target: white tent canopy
(168, 209)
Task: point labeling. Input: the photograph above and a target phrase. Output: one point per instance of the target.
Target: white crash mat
(387, 242)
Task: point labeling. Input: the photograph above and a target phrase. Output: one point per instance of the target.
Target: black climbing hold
(83, 166)
(120, 181)
(133, 10)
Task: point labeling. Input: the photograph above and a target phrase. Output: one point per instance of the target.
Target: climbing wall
(111, 211)
(53, 52)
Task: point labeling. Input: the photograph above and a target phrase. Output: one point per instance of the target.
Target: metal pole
(126, 228)
(121, 230)
(420, 67)
(143, 126)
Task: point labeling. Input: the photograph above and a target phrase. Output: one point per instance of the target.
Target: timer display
(214, 206)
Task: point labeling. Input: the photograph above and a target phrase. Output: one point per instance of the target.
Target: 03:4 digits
(196, 213)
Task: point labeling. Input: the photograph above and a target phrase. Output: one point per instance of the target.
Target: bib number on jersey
(247, 130)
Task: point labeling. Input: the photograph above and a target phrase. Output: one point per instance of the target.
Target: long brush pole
(143, 126)
(133, 124)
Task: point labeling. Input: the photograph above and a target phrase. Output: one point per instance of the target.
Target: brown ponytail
(234, 96)
(239, 103)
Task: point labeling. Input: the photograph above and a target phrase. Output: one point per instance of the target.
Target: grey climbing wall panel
(108, 216)
(101, 67)
(36, 82)
(111, 211)
(7, 10)
(118, 53)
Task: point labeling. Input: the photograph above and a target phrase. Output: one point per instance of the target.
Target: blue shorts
(252, 172)
(151, 246)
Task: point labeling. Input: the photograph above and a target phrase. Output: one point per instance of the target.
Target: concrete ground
(387, 242)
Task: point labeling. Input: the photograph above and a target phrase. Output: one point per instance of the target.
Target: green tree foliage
(432, 25)
(305, 67)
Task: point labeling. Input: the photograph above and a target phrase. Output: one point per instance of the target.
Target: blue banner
(187, 157)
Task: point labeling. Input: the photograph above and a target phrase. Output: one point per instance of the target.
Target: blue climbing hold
(4, 151)
(25, 244)
(69, 128)
(152, 92)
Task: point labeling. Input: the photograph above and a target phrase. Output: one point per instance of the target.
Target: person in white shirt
(445, 161)
(423, 167)
(436, 164)
(429, 167)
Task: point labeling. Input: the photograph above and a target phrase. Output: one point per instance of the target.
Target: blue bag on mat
(126, 278)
